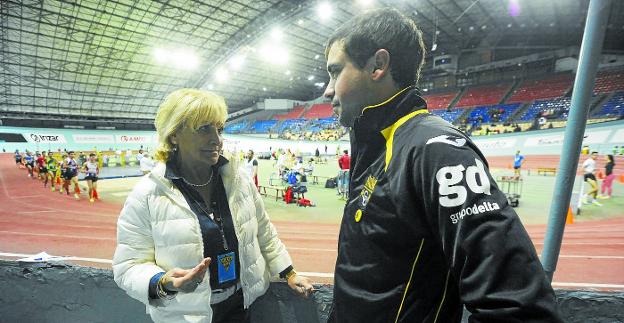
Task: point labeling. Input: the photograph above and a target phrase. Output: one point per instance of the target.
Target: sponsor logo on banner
(44, 138)
(495, 144)
(556, 140)
(134, 139)
(93, 139)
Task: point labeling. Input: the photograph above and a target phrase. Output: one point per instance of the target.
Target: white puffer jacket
(157, 231)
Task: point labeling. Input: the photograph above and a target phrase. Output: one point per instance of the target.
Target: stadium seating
(493, 113)
(317, 111)
(551, 109)
(547, 88)
(293, 125)
(449, 116)
(440, 100)
(263, 126)
(237, 127)
(609, 81)
(295, 113)
(483, 95)
(612, 108)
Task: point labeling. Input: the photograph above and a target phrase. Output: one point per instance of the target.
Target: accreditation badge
(227, 267)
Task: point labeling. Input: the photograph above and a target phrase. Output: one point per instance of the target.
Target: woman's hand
(185, 280)
(301, 285)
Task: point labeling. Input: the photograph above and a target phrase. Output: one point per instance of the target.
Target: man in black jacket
(425, 230)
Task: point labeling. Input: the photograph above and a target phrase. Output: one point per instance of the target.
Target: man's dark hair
(70, 152)
(345, 151)
(91, 155)
(594, 152)
(385, 29)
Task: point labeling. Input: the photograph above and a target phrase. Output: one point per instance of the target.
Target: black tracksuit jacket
(426, 229)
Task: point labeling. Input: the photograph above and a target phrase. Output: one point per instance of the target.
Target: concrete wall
(65, 293)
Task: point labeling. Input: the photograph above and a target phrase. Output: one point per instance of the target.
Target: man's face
(72, 155)
(594, 156)
(348, 86)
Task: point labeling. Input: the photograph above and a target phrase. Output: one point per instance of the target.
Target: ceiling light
(509, 25)
(324, 11)
(210, 87)
(160, 55)
(264, 89)
(365, 3)
(434, 47)
(277, 34)
(471, 28)
(300, 22)
(311, 77)
(221, 75)
(287, 72)
(237, 62)
(319, 84)
(317, 56)
(274, 54)
(184, 59)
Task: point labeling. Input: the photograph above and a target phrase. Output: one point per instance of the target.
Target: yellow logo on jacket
(365, 196)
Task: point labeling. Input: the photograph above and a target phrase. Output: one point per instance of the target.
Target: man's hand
(185, 280)
(301, 285)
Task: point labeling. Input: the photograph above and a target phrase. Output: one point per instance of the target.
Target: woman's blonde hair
(190, 108)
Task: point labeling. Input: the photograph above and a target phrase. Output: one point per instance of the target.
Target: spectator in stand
(344, 163)
(608, 180)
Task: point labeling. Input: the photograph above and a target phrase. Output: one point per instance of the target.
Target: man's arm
(490, 255)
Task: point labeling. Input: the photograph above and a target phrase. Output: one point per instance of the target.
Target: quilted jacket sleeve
(271, 246)
(133, 262)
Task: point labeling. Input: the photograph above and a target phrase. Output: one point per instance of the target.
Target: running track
(33, 219)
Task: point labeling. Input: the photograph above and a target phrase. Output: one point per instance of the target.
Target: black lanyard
(218, 219)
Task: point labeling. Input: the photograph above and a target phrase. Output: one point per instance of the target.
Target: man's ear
(381, 64)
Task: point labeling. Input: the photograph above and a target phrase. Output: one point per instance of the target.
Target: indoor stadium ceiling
(119, 58)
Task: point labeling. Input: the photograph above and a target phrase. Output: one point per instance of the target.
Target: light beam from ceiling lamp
(180, 58)
(160, 55)
(435, 35)
(237, 62)
(365, 3)
(274, 54)
(184, 59)
(277, 34)
(514, 8)
(221, 75)
(324, 11)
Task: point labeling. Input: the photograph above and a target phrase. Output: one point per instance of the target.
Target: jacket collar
(227, 165)
(172, 172)
(379, 116)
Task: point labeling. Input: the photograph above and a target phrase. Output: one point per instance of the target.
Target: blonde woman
(194, 242)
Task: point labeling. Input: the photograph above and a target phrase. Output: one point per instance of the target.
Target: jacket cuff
(153, 285)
